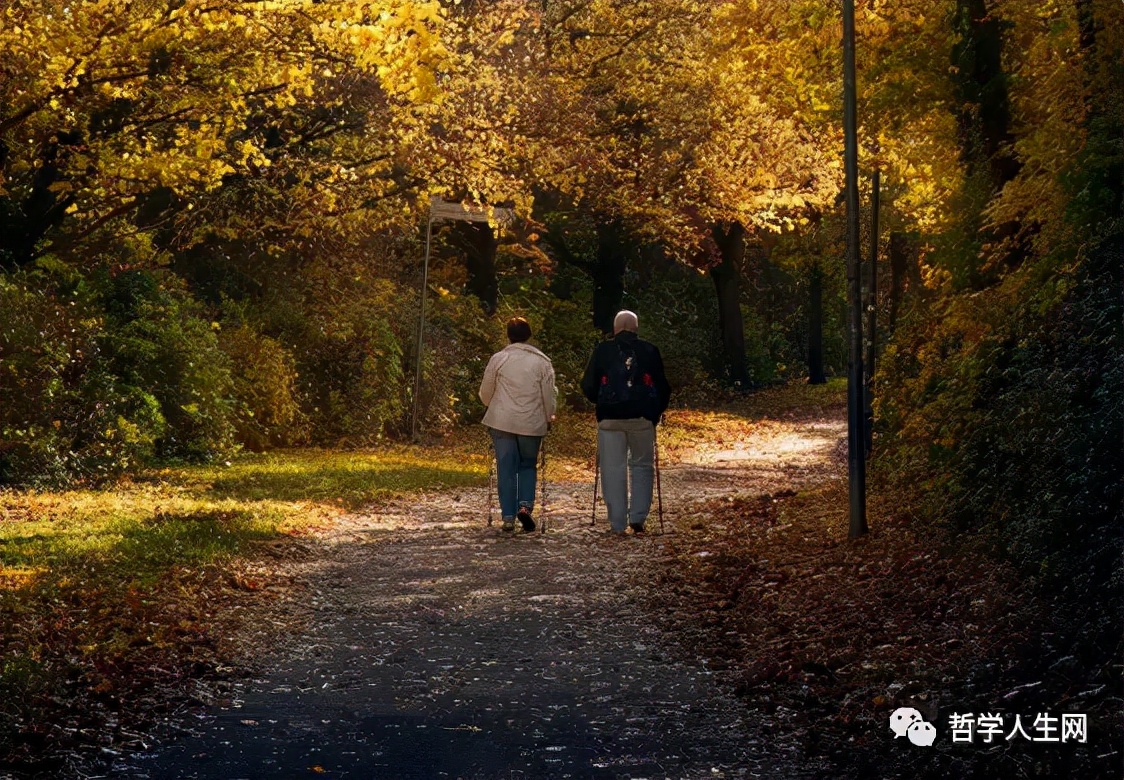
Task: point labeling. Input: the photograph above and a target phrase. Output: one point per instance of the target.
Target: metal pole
(491, 475)
(856, 462)
(542, 486)
(659, 491)
(596, 477)
(421, 330)
(871, 318)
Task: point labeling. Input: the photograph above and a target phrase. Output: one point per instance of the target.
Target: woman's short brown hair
(518, 330)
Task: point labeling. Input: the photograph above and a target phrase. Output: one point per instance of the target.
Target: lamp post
(871, 318)
(856, 444)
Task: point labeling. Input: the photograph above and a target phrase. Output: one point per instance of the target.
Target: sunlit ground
(197, 514)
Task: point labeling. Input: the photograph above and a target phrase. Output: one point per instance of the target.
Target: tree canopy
(245, 185)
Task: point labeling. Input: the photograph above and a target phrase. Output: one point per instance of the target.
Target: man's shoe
(637, 528)
(509, 525)
(525, 519)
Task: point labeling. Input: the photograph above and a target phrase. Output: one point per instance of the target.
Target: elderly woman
(518, 389)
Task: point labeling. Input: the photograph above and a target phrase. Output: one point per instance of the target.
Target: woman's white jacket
(518, 389)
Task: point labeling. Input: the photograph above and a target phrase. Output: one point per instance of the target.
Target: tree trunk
(480, 243)
(726, 276)
(608, 275)
(606, 269)
(984, 124)
(654, 263)
(1086, 24)
(815, 326)
(1101, 121)
(24, 223)
(985, 115)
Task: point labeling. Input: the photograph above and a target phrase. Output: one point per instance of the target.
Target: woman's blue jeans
(517, 460)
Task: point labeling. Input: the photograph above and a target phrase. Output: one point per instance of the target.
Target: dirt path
(437, 647)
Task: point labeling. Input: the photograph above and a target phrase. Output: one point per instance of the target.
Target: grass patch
(136, 538)
(352, 479)
(195, 516)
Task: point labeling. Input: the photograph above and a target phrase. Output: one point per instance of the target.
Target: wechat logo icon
(907, 722)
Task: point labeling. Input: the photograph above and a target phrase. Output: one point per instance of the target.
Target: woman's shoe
(525, 519)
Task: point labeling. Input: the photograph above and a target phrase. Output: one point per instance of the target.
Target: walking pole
(491, 475)
(542, 486)
(596, 476)
(659, 492)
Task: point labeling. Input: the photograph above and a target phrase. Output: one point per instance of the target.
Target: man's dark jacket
(605, 356)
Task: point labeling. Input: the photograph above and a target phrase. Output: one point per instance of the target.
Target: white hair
(625, 320)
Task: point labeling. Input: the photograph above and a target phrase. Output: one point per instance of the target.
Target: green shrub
(265, 378)
(460, 339)
(567, 335)
(157, 340)
(350, 361)
(66, 415)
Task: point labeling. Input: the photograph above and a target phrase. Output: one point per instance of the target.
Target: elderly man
(625, 378)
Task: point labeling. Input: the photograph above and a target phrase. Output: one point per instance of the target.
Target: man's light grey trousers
(627, 448)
